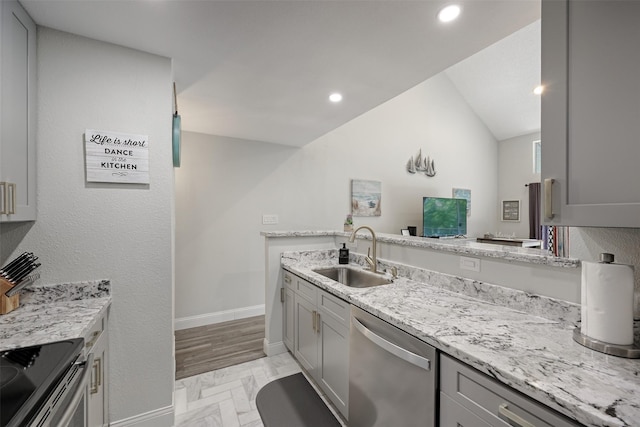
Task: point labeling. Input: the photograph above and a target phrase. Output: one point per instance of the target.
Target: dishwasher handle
(406, 355)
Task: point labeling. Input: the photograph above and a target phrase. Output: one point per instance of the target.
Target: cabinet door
(333, 363)
(591, 112)
(306, 336)
(17, 129)
(288, 330)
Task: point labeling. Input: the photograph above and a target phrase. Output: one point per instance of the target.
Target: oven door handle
(79, 392)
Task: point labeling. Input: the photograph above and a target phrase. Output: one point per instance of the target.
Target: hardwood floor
(211, 347)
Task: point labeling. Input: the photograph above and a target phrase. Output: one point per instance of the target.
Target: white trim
(219, 317)
(271, 349)
(156, 418)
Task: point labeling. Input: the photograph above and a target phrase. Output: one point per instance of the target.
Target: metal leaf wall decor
(422, 164)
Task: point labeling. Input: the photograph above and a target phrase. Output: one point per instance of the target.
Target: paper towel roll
(607, 302)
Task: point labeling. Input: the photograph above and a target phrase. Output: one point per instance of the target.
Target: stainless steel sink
(353, 278)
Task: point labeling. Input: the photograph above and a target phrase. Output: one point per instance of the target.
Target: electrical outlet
(467, 263)
(269, 219)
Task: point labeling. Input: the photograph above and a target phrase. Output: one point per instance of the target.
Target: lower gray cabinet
(470, 398)
(333, 350)
(97, 393)
(319, 322)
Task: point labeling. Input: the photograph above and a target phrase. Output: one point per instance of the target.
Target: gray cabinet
(17, 114)
(288, 310)
(306, 333)
(333, 349)
(591, 112)
(470, 398)
(320, 342)
(97, 393)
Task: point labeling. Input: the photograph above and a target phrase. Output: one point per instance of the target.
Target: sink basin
(353, 278)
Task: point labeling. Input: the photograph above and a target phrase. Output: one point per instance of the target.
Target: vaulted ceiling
(263, 70)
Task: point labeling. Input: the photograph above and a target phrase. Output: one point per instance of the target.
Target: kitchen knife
(12, 263)
(11, 274)
(26, 272)
(18, 266)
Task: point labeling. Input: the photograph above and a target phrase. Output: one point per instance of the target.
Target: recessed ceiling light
(449, 13)
(335, 97)
(538, 90)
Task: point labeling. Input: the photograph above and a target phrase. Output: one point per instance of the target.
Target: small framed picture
(511, 210)
(405, 232)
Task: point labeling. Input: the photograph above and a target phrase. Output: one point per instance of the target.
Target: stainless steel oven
(44, 386)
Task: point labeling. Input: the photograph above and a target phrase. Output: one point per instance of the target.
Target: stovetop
(28, 375)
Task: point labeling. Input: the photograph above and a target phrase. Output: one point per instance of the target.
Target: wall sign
(116, 157)
(511, 210)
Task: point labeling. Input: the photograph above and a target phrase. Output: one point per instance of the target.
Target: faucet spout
(371, 260)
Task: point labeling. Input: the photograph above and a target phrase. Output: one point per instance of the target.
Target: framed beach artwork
(365, 197)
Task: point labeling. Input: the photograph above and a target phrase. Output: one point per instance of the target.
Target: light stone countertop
(522, 340)
(49, 313)
(468, 246)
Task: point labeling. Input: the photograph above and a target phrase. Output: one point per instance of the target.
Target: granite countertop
(522, 340)
(460, 246)
(50, 313)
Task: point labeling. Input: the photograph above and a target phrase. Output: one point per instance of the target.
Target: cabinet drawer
(288, 280)
(334, 307)
(306, 290)
(452, 414)
(492, 401)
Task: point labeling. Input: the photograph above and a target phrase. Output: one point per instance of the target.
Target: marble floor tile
(227, 397)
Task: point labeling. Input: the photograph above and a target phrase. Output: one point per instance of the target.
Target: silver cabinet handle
(314, 319)
(548, 193)
(97, 373)
(317, 322)
(512, 418)
(12, 187)
(281, 294)
(5, 198)
(406, 355)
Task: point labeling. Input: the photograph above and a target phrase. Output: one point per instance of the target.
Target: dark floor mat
(292, 402)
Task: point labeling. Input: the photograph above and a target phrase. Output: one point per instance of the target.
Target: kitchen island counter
(522, 340)
(50, 313)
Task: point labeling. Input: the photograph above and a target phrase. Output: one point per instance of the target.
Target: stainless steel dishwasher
(392, 375)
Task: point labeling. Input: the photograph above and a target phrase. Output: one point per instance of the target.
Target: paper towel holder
(628, 351)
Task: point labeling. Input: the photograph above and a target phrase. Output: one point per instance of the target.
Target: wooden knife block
(7, 304)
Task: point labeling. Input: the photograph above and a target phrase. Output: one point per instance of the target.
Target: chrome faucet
(373, 260)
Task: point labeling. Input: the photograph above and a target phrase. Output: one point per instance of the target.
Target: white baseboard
(271, 349)
(219, 317)
(163, 417)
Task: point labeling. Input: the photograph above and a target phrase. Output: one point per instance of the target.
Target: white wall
(119, 232)
(515, 169)
(224, 186)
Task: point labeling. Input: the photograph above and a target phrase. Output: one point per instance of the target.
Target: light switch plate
(269, 219)
(472, 264)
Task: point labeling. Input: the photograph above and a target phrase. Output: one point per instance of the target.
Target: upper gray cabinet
(17, 113)
(591, 113)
